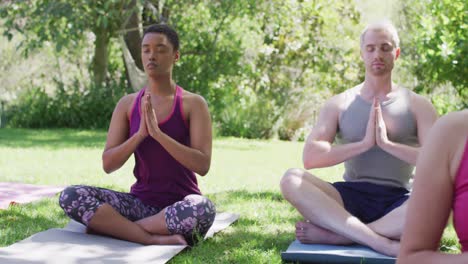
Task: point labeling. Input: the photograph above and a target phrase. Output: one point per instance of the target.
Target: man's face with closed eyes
(378, 52)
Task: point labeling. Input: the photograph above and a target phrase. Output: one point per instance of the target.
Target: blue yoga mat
(318, 253)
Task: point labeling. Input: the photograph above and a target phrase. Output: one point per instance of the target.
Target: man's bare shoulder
(342, 100)
(419, 100)
(422, 106)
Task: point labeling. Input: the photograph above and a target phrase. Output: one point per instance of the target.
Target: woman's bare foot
(91, 231)
(154, 240)
(308, 233)
(168, 240)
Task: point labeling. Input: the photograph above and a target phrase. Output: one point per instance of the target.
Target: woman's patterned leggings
(191, 217)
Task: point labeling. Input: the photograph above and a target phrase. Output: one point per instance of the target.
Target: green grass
(244, 178)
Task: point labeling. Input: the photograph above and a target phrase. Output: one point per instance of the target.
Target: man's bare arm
(319, 151)
(425, 115)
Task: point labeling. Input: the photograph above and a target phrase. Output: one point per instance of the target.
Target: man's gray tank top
(375, 165)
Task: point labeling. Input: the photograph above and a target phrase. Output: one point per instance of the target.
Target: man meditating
(168, 131)
(379, 127)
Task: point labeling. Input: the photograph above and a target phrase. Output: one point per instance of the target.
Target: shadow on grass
(244, 244)
(51, 138)
(247, 195)
(240, 246)
(259, 236)
(21, 221)
(265, 227)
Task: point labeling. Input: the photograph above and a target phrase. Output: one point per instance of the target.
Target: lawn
(244, 178)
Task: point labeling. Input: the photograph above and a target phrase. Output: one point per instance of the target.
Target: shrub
(254, 120)
(70, 108)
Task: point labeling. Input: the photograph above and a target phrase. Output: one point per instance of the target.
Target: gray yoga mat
(71, 245)
(317, 253)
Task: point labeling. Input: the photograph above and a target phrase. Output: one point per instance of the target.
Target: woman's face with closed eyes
(157, 54)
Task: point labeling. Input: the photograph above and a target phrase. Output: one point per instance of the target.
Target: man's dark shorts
(368, 201)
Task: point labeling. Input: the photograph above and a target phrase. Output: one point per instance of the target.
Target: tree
(67, 24)
(439, 45)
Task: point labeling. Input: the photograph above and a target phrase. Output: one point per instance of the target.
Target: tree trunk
(155, 12)
(133, 37)
(101, 55)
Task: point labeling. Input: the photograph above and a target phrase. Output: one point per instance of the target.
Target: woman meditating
(440, 186)
(168, 130)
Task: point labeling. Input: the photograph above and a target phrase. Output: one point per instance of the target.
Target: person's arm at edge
(425, 115)
(197, 157)
(431, 201)
(118, 146)
(319, 151)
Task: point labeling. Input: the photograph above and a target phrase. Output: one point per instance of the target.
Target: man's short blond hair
(383, 26)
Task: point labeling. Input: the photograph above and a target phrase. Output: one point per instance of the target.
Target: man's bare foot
(388, 247)
(308, 233)
(169, 240)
